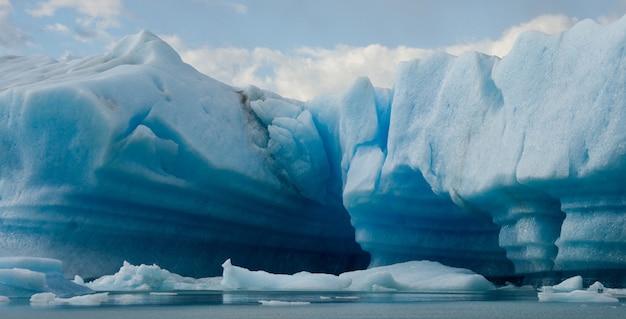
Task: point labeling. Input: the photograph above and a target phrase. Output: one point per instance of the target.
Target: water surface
(499, 304)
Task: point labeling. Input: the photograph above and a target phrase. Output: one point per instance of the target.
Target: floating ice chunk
(79, 280)
(408, 276)
(128, 299)
(24, 276)
(571, 290)
(616, 292)
(150, 278)
(374, 281)
(86, 300)
(23, 279)
(575, 296)
(4, 299)
(164, 293)
(50, 299)
(417, 276)
(283, 303)
(42, 299)
(235, 277)
(567, 285)
(597, 287)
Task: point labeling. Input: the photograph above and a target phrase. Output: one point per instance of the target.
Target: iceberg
(420, 276)
(25, 276)
(509, 167)
(134, 155)
(396, 215)
(47, 299)
(149, 278)
(529, 148)
(239, 278)
(409, 276)
(571, 290)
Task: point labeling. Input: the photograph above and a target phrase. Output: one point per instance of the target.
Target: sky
(297, 48)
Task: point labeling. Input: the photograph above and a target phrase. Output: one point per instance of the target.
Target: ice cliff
(134, 155)
(504, 166)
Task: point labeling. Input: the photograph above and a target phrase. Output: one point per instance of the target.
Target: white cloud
(100, 8)
(235, 6)
(11, 37)
(307, 72)
(96, 17)
(57, 27)
(302, 73)
(548, 24)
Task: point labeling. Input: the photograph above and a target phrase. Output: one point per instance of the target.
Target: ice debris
(50, 299)
(24, 276)
(571, 290)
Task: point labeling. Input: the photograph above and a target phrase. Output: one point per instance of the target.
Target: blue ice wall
(505, 166)
(533, 142)
(134, 155)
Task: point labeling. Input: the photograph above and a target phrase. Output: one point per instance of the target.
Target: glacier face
(134, 155)
(535, 142)
(504, 166)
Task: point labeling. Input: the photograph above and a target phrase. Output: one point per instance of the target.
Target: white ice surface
(575, 296)
(408, 276)
(50, 299)
(417, 276)
(567, 285)
(283, 303)
(150, 278)
(571, 290)
(240, 278)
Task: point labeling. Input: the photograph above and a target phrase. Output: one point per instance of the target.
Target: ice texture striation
(530, 147)
(396, 214)
(25, 276)
(408, 276)
(536, 140)
(134, 155)
(503, 166)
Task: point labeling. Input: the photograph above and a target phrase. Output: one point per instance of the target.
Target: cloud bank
(94, 18)
(306, 72)
(11, 37)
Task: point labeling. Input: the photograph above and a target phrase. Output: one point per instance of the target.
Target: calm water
(519, 304)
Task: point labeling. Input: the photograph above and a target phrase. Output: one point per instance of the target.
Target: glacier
(134, 155)
(512, 167)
